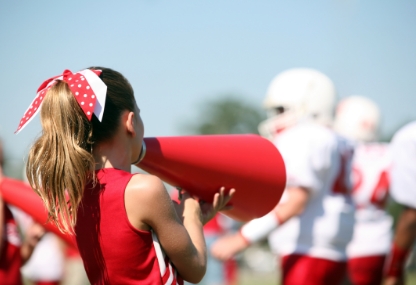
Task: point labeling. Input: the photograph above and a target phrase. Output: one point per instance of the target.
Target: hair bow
(86, 86)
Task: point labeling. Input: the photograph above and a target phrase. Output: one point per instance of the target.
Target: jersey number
(342, 183)
(380, 192)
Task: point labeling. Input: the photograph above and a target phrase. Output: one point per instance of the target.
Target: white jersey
(373, 227)
(319, 160)
(403, 173)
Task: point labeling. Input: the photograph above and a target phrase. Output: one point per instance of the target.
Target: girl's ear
(130, 121)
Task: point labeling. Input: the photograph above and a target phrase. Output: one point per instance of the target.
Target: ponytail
(61, 163)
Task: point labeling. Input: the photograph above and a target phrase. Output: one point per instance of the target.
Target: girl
(80, 166)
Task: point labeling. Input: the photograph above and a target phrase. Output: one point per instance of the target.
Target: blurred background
(181, 55)
(204, 67)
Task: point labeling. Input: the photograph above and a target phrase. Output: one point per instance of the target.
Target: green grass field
(248, 277)
(258, 257)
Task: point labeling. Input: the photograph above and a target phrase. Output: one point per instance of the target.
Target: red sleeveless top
(113, 251)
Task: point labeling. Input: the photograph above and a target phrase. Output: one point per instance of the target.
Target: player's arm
(298, 198)
(406, 229)
(402, 190)
(258, 229)
(405, 236)
(182, 238)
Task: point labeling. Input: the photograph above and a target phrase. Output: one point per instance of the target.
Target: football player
(312, 225)
(358, 118)
(403, 191)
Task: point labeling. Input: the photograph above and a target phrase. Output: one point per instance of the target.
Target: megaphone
(21, 195)
(202, 164)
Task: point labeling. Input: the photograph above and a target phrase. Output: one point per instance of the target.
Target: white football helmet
(296, 94)
(358, 118)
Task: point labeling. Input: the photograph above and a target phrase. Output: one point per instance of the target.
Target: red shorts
(367, 270)
(47, 282)
(300, 269)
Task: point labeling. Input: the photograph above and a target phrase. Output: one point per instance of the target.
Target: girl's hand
(205, 211)
(188, 206)
(219, 203)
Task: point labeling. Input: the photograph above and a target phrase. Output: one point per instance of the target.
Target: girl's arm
(149, 206)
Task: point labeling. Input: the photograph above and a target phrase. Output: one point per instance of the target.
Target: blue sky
(177, 54)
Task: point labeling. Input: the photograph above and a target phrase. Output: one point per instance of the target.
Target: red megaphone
(21, 195)
(202, 164)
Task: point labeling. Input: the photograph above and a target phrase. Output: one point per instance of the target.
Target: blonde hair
(60, 163)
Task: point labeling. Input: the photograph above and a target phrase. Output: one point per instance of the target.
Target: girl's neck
(112, 154)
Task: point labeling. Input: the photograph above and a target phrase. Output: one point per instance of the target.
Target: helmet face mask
(296, 94)
(358, 118)
(276, 123)
(278, 110)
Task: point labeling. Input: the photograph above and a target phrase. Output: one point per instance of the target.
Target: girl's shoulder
(146, 200)
(145, 184)
(148, 189)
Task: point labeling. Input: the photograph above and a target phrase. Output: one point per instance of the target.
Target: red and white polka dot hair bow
(86, 86)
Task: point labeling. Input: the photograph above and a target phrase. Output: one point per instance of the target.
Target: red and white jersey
(373, 227)
(318, 159)
(403, 173)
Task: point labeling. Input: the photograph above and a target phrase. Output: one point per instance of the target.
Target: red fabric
(396, 261)
(72, 252)
(213, 226)
(305, 270)
(113, 251)
(231, 272)
(82, 91)
(366, 270)
(10, 260)
(47, 283)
